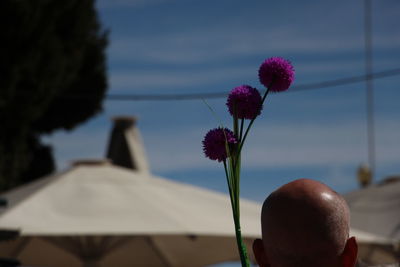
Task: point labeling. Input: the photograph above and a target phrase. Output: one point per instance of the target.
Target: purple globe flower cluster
(276, 73)
(245, 102)
(214, 143)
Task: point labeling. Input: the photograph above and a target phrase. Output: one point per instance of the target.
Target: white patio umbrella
(98, 214)
(374, 249)
(104, 215)
(375, 210)
(370, 238)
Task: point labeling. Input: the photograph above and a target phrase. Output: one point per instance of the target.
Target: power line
(223, 94)
(302, 87)
(369, 86)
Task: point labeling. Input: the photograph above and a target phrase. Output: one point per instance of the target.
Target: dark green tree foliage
(52, 76)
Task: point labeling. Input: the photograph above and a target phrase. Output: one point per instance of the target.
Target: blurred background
(158, 59)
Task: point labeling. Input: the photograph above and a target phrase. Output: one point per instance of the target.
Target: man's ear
(349, 255)
(259, 253)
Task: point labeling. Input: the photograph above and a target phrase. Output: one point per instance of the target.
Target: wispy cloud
(271, 146)
(140, 80)
(330, 45)
(281, 146)
(202, 47)
(220, 43)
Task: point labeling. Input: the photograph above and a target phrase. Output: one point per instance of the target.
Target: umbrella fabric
(94, 251)
(104, 215)
(376, 209)
(375, 212)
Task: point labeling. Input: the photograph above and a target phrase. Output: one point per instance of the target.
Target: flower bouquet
(225, 145)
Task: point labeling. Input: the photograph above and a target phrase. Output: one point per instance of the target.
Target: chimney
(125, 147)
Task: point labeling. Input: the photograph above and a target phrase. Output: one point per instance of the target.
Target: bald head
(304, 223)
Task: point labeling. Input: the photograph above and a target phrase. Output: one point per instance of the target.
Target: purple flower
(246, 100)
(214, 143)
(276, 74)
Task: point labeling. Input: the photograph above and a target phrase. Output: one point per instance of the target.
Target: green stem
(237, 183)
(235, 149)
(241, 130)
(241, 246)
(234, 198)
(235, 122)
(251, 122)
(232, 180)
(229, 187)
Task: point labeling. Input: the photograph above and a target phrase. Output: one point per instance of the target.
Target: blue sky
(193, 46)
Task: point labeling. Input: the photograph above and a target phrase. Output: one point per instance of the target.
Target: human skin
(305, 223)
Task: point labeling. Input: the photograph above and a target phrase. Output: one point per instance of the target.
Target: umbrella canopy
(104, 214)
(376, 210)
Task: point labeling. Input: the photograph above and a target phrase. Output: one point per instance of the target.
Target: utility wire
(223, 94)
(369, 86)
(302, 87)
